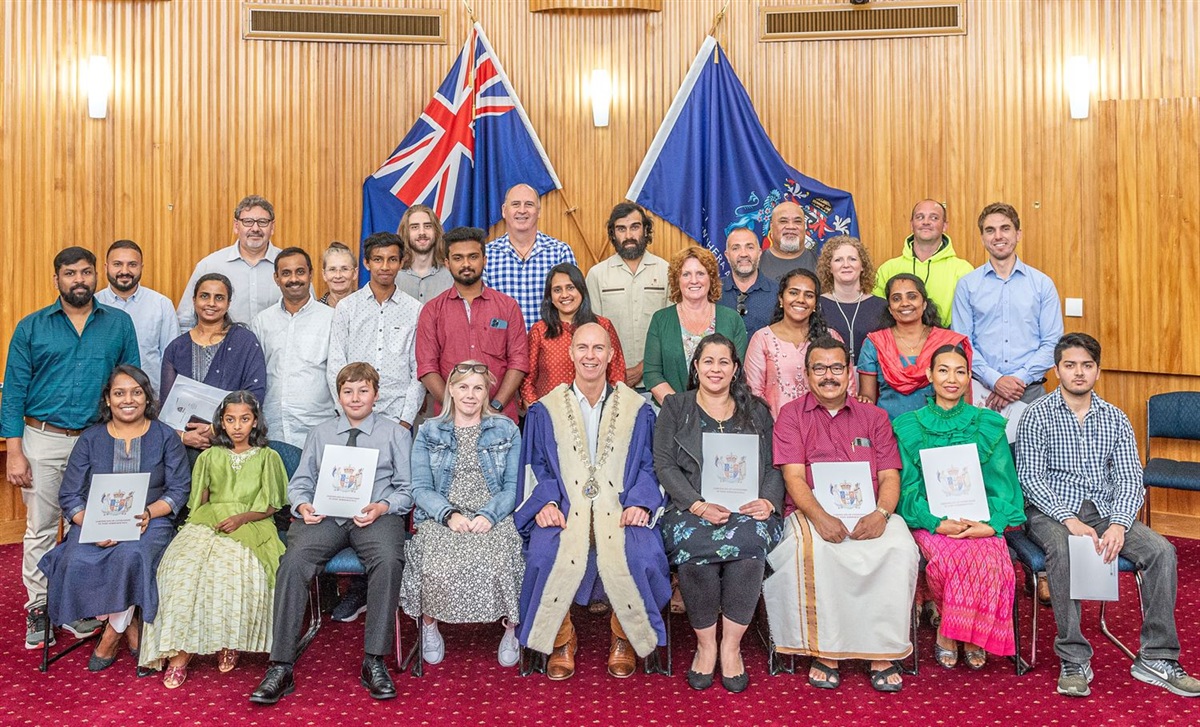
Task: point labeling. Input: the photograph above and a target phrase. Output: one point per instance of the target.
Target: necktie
(352, 440)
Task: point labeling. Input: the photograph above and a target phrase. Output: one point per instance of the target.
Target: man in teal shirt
(59, 359)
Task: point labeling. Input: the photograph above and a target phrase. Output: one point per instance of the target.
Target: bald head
(591, 350)
(787, 228)
(928, 222)
(520, 210)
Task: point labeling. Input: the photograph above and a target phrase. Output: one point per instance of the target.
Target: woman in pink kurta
(565, 306)
(775, 355)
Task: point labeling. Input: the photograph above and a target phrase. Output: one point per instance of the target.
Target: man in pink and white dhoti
(839, 593)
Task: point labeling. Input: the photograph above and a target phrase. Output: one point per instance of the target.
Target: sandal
(947, 658)
(976, 658)
(831, 676)
(879, 679)
(227, 659)
(931, 614)
(175, 676)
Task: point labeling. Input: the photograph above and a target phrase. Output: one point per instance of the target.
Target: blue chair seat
(1029, 553)
(1172, 474)
(345, 563)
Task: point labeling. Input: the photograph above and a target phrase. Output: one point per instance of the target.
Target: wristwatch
(495, 404)
(886, 515)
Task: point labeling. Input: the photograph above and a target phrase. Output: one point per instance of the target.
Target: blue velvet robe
(643, 545)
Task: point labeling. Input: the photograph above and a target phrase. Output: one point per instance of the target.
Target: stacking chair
(1175, 415)
(1033, 561)
(658, 662)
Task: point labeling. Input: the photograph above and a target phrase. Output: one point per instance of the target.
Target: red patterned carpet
(469, 687)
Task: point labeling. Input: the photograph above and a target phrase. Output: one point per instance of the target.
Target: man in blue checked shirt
(59, 359)
(1078, 464)
(519, 260)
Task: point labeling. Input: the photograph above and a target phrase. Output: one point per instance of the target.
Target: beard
(790, 244)
(77, 296)
(124, 287)
(468, 278)
(631, 252)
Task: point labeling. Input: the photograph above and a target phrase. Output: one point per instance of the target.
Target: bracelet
(886, 515)
(703, 508)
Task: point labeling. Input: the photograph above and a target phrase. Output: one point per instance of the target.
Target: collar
(583, 399)
(56, 307)
(1057, 400)
(540, 241)
(483, 293)
(759, 283)
(648, 258)
(811, 403)
(366, 426)
(233, 252)
(911, 240)
(113, 294)
(303, 308)
(1018, 267)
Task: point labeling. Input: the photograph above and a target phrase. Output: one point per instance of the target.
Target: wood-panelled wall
(199, 117)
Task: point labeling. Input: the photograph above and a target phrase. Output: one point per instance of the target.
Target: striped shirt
(1062, 462)
(524, 280)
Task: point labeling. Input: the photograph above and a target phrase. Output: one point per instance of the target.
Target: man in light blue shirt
(152, 312)
(1010, 312)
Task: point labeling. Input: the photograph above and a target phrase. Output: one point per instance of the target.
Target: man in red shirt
(472, 321)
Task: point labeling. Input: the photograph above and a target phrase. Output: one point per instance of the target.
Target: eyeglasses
(741, 303)
(835, 369)
(464, 368)
(248, 222)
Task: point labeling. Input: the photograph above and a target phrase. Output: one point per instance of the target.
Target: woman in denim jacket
(465, 564)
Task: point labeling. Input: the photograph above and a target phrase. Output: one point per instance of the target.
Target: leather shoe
(736, 684)
(1043, 591)
(561, 664)
(622, 661)
(100, 663)
(698, 680)
(275, 685)
(376, 679)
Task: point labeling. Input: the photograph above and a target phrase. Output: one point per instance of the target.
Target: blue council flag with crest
(712, 167)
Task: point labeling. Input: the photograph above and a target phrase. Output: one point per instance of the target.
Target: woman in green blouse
(969, 574)
(694, 286)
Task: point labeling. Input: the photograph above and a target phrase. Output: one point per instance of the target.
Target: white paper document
(844, 490)
(1091, 578)
(114, 502)
(1012, 412)
(346, 480)
(190, 398)
(954, 482)
(729, 471)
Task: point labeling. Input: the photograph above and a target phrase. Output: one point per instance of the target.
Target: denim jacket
(434, 453)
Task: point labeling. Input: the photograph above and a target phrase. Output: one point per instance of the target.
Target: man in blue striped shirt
(58, 361)
(1078, 464)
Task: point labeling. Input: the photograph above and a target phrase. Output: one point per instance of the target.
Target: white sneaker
(433, 648)
(509, 652)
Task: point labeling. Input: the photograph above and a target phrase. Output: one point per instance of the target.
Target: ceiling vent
(863, 21)
(332, 24)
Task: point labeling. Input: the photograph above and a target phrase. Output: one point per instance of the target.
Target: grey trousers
(731, 588)
(1152, 554)
(380, 547)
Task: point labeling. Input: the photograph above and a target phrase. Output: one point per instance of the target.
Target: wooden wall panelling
(200, 117)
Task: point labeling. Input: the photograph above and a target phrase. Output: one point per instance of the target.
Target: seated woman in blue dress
(108, 577)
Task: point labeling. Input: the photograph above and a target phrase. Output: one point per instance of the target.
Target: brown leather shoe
(622, 660)
(1043, 591)
(561, 664)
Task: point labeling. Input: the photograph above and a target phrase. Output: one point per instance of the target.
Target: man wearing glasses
(249, 264)
(840, 590)
(752, 295)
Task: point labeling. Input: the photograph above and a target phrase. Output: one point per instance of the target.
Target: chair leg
(655, 662)
(1104, 622)
(914, 670)
(1019, 664)
(415, 657)
(532, 662)
(775, 661)
(314, 618)
(1033, 638)
(47, 659)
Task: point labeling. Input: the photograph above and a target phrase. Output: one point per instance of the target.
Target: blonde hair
(456, 376)
(866, 279)
(706, 258)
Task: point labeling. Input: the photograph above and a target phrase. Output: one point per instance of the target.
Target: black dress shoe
(736, 684)
(277, 684)
(376, 679)
(100, 663)
(699, 681)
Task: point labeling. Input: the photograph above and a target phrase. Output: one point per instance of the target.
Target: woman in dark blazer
(721, 554)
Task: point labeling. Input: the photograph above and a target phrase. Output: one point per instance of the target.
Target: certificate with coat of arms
(844, 490)
(729, 474)
(114, 502)
(954, 482)
(346, 480)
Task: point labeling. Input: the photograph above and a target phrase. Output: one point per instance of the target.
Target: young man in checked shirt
(1078, 464)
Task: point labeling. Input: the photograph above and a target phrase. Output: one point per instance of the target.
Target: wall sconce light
(97, 81)
(1077, 77)
(601, 91)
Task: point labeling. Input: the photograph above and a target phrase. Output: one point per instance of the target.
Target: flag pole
(470, 12)
(571, 212)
